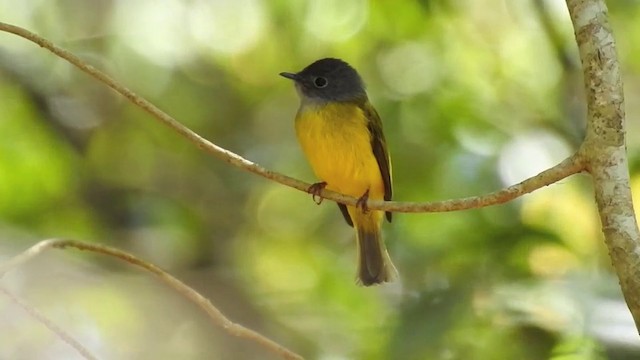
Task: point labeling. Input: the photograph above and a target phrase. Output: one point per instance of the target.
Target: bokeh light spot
(530, 153)
(409, 68)
(227, 26)
(335, 20)
(154, 32)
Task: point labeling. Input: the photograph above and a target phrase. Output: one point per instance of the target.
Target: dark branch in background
(212, 312)
(21, 74)
(556, 40)
(570, 101)
(568, 167)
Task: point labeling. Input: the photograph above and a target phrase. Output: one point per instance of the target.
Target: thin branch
(49, 325)
(212, 312)
(568, 167)
(604, 148)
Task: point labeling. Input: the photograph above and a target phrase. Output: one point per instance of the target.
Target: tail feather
(374, 263)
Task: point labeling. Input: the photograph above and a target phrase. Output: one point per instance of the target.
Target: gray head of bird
(328, 80)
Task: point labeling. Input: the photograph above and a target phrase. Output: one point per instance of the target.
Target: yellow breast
(337, 144)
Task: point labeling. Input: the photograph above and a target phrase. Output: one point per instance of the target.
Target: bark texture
(604, 147)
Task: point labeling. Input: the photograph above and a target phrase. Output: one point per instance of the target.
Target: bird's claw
(315, 191)
(362, 202)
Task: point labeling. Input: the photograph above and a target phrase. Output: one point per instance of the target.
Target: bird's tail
(374, 263)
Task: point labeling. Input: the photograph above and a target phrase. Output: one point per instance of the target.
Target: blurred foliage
(474, 95)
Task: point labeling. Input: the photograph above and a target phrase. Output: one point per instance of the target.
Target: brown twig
(212, 312)
(49, 325)
(568, 167)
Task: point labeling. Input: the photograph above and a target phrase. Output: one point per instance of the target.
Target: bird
(341, 135)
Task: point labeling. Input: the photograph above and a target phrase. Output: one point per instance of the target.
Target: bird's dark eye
(320, 82)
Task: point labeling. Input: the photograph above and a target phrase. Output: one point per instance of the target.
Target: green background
(474, 96)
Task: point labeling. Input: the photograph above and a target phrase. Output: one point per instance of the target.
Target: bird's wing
(379, 148)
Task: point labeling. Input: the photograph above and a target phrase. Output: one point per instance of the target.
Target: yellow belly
(337, 144)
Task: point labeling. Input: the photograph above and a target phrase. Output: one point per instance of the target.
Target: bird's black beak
(291, 76)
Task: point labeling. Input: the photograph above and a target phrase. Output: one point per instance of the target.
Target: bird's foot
(315, 191)
(362, 202)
